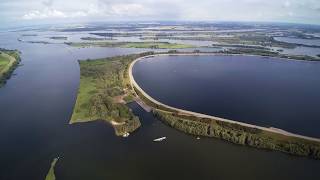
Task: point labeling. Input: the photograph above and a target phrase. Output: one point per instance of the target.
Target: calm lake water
(35, 108)
(264, 91)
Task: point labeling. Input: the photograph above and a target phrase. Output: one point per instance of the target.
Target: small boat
(125, 135)
(159, 139)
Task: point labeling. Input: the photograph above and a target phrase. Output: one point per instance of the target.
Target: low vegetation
(239, 134)
(36, 42)
(103, 93)
(9, 60)
(149, 45)
(51, 175)
(92, 39)
(26, 35)
(236, 39)
(58, 37)
(268, 53)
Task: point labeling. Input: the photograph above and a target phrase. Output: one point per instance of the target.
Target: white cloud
(129, 10)
(304, 11)
(114, 10)
(44, 14)
(52, 14)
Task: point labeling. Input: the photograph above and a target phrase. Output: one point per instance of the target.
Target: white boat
(159, 139)
(125, 135)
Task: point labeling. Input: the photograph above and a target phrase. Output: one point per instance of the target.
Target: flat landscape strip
(8, 62)
(51, 175)
(151, 45)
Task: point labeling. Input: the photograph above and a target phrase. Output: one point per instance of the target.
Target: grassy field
(51, 175)
(103, 93)
(8, 62)
(150, 45)
(4, 61)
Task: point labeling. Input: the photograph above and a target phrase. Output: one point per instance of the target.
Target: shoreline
(169, 109)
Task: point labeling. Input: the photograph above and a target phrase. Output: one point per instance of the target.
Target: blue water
(264, 91)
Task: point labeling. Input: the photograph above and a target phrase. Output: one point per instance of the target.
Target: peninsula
(103, 93)
(51, 175)
(106, 85)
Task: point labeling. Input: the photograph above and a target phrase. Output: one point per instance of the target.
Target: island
(150, 45)
(26, 35)
(268, 53)
(92, 39)
(58, 37)
(106, 85)
(9, 60)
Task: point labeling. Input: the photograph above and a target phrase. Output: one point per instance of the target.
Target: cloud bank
(303, 11)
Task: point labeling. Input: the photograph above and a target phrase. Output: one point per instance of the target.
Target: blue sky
(13, 12)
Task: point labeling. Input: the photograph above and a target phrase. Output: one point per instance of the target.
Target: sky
(15, 12)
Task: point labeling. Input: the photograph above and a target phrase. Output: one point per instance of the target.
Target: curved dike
(174, 80)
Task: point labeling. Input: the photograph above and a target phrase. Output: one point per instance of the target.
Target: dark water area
(263, 91)
(36, 105)
(98, 154)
